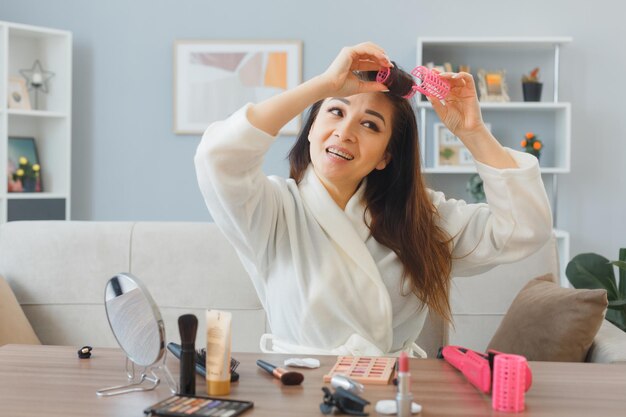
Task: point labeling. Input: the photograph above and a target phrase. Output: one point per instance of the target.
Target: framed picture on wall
(213, 79)
(18, 94)
(23, 169)
(492, 86)
(449, 151)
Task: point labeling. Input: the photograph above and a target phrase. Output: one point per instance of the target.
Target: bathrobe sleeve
(244, 203)
(515, 222)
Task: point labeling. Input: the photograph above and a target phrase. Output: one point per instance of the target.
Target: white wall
(128, 165)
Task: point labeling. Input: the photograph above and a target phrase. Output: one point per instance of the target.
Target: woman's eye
(336, 111)
(371, 125)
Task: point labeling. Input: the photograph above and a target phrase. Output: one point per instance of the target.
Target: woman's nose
(346, 132)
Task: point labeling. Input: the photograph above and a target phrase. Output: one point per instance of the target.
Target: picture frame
(17, 94)
(492, 86)
(22, 147)
(449, 151)
(214, 78)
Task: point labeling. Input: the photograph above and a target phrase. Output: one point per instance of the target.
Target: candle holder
(37, 79)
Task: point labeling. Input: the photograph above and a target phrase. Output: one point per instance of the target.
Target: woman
(348, 254)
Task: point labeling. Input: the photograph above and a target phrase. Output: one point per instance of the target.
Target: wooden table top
(52, 381)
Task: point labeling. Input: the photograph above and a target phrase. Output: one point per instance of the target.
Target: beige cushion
(14, 326)
(549, 323)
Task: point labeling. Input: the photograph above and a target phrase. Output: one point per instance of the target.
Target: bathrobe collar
(349, 230)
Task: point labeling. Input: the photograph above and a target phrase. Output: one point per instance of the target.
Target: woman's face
(349, 138)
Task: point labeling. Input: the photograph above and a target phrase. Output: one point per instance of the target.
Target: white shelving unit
(549, 119)
(50, 124)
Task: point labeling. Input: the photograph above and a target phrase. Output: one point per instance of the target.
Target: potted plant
(531, 144)
(476, 188)
(590, 270)
(25, 177)
(531, 86)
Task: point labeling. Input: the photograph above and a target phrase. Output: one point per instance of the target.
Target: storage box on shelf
(48, 120)
(549, 119)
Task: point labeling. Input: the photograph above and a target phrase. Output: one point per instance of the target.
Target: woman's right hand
(340, 79)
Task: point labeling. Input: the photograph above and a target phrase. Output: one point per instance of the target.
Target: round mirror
(135, 320)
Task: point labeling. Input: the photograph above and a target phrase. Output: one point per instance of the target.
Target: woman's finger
(366, 65)
(371, 51)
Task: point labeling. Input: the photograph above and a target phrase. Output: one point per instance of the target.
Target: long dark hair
(402, 216)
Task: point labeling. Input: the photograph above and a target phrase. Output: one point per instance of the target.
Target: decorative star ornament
(37, 78)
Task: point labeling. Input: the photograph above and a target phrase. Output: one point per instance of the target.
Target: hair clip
(85, 352)
(345, 401)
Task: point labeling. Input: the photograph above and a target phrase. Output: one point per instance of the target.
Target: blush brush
(286, 377)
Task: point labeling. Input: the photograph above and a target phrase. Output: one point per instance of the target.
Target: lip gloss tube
(404, 397)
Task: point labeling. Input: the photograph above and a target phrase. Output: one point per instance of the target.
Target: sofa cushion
(190, 265)
(549, 323)
(63, 263)
(14, 327)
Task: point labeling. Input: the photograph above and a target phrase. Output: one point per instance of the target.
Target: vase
(532, 91)
(29, 185)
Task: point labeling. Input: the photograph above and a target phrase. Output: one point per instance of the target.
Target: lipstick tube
(404, 397)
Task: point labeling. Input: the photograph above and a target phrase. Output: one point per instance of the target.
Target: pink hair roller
(382, 75)
(509, 382)
(430, 83)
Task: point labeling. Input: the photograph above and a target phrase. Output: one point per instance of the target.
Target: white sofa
(58, 271)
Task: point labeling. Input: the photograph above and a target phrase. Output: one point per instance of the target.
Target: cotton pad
(391, 407)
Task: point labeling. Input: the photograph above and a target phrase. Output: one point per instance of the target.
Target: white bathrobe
(327, 285)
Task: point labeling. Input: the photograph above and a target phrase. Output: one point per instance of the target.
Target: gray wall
(128, 165)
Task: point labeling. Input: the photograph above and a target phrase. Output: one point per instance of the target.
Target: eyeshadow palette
(185, 405)
(364, 369)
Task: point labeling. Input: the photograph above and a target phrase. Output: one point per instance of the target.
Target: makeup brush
(188, 326)
(286, 377)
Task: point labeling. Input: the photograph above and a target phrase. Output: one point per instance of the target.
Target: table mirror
(138, 328)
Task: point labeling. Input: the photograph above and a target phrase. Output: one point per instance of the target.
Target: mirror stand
(135, 384)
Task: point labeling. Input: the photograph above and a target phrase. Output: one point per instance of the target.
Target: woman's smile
(336, 152)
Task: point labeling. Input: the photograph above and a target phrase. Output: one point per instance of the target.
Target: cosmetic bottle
(218, 346)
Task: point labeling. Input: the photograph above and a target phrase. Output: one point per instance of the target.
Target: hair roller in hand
(430, 83)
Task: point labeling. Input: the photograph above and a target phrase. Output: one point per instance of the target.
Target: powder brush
(188, 327)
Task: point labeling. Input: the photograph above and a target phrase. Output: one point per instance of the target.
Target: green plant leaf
(618, 318)
(590, 270)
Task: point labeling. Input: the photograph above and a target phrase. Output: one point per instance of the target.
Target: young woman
(349, 253)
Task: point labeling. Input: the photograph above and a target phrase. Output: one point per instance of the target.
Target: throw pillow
(14, 326)
(549, 323)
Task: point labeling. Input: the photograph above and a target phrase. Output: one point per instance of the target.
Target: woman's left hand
(461, 115)
(461, 112)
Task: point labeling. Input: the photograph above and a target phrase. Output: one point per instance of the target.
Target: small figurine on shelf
(37, 79)
(532, 145)
(26, 178)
